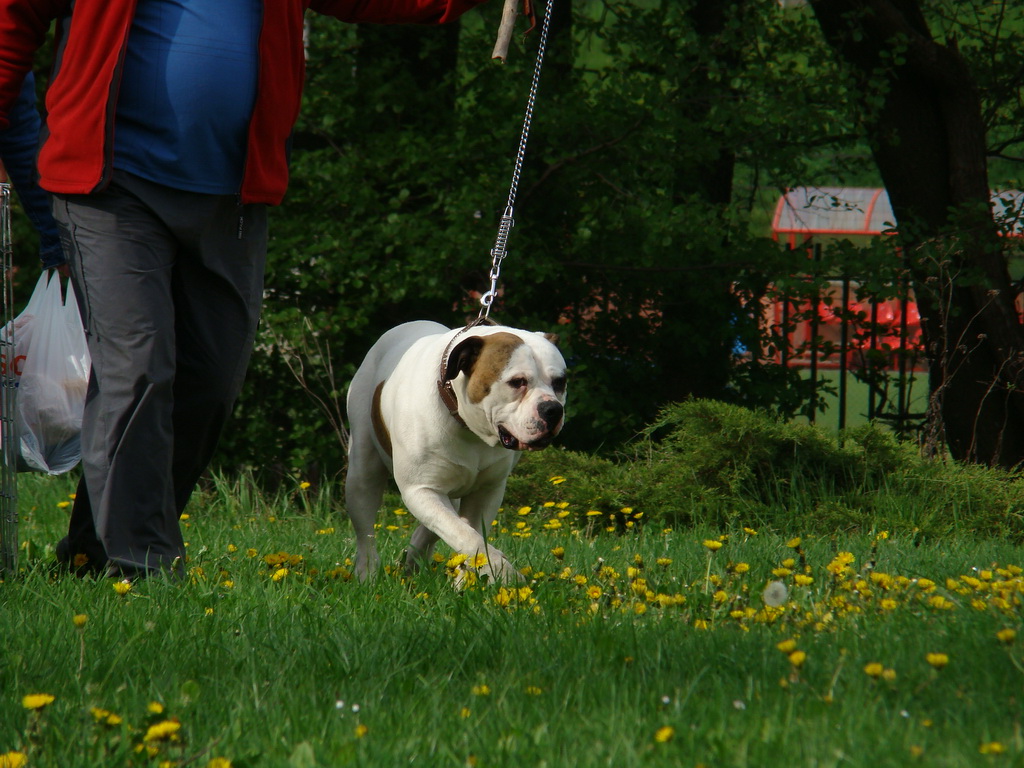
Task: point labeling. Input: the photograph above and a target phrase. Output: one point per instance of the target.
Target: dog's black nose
(551, 412)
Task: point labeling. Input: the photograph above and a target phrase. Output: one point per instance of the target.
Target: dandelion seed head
(775, 594)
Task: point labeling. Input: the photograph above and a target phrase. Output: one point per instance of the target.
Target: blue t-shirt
(187, 93)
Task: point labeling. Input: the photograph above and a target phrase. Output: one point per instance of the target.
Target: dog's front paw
(491, 567)
(499, 569)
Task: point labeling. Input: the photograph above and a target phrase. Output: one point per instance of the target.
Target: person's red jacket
(76, 154)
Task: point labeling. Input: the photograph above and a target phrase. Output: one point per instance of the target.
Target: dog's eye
(558, 384)
(519, 382)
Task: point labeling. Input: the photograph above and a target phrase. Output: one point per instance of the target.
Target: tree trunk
(928, 139)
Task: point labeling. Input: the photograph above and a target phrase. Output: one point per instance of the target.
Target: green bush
(711, 463)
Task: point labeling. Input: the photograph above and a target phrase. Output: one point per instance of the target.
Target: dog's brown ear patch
(495, 352)
(552, 337)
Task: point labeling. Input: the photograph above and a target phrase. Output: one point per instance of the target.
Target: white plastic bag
(54, 374)
(19, 330)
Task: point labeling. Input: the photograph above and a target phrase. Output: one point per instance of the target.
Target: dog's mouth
(508, 440)
(513, 443)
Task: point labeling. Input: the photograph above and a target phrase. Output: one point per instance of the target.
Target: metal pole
(843, 349)
(8, 392)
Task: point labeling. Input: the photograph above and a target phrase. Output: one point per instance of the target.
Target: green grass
(314, 669)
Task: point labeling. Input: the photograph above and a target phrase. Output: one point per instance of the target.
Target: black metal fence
(861, 351)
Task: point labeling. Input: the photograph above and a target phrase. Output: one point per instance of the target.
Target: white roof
(865, 211)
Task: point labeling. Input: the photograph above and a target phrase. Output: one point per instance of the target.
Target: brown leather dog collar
(444, 383)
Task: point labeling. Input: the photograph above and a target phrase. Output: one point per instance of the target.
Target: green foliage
(391, 215)
(662, 134)
(712, 463)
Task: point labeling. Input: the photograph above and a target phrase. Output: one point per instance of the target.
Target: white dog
(446, 412)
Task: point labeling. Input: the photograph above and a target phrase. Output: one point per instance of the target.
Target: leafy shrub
(711, 463)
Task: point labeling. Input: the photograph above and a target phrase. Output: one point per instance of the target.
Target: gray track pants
(170, 285)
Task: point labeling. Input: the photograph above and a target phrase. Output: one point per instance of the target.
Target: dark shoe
(78, 563)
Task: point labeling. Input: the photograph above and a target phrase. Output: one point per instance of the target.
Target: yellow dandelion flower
(63, 504)
(533, 690)
(664, 734)
(594, 513)
(713, 544)
(556, 480)
(455, 560)
(36, 701)
(464, 712)
(155, 708)
(166, 729)
(594, 592)
(478, 560)
(1006, 635)
(749, 531)
(787, 646)
(937, 660)
(80, 620)
(797, 658)
(941, 603)
(481, 690)
(889, 675)
(558, 552)
(219, 762)
(803, 581)
(361, 731)
(279, 574)
(794, 543)
(926, 585)
(106, 717)
(874, 669)
(700, 624)
(840, 564)
(13, 760)
(888, 604)
(741, 568)
(992, 748)
(250, 552)
(122, 587)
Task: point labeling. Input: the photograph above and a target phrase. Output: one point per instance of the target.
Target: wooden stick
(505, 29)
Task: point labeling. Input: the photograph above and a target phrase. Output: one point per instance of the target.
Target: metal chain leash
(498, 252)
